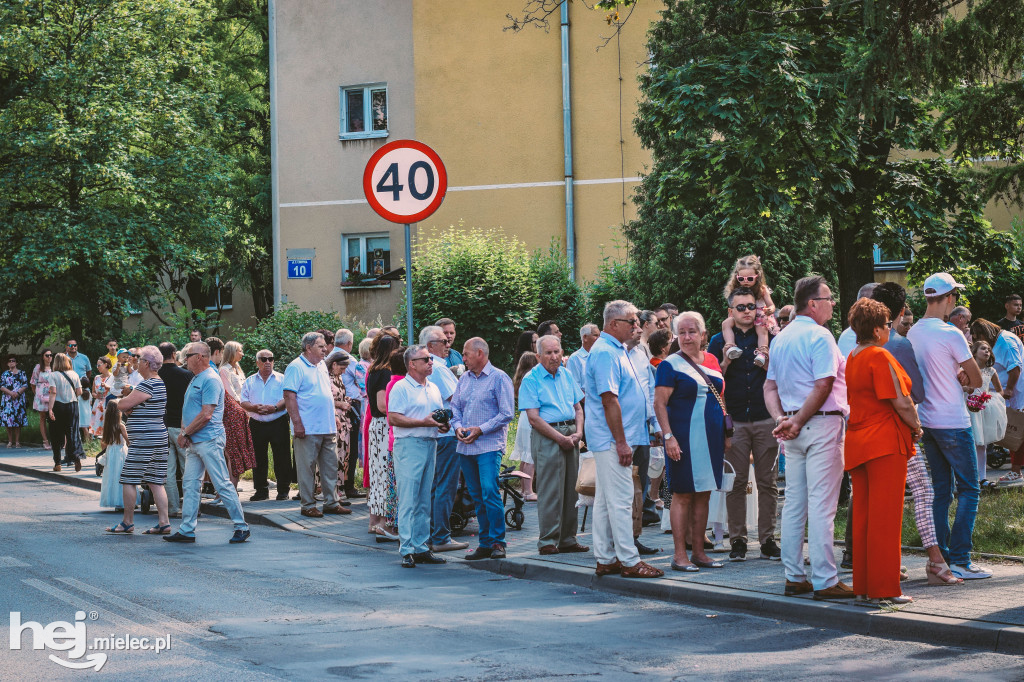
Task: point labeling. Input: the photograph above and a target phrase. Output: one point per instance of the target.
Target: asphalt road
(289, 606)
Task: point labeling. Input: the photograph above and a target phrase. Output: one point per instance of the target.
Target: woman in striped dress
(146, 462)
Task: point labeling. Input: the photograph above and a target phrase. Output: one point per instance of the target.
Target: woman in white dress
(521, 451)
(41, 386)
(100, 391)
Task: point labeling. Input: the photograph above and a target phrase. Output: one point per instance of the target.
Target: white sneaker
(734, 353)
(971, 571)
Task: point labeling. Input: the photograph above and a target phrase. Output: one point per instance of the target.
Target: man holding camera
(412, 408)
(482, 407)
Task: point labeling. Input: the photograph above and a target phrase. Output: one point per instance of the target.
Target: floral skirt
(382, 499)
(344, 434)
(238, 448)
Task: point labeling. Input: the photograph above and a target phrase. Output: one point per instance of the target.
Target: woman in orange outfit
(880, 437)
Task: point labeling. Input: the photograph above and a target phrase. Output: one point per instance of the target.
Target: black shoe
(479, 553)
(847, 562)
(297, 496)
(344, 503)
(178, 537)
(281, 496)
(498, 552)
(770, 550)
(650, 518)
(408, 561)
(354, 494)
(208, 488)
(643, 549)
(239, 536)
(739, 550)
(260, 496)
(427, 558)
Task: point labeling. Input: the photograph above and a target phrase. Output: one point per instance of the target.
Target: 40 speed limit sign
(405, 181)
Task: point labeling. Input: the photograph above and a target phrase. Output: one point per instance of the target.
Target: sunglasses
(633, 321)
(783, 318)
(72, 345)
(47, 355)
(265, 359)
(744, 307)
(746, 278)
(188, 355)
(422, 359)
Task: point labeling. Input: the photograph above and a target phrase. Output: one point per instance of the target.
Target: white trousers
(613, 511)
(814, 472)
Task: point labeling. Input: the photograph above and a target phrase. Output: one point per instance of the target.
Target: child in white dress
(115, 440)
(988, 424)
(521, 450)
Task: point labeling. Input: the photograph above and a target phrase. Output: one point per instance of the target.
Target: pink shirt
(387, 394)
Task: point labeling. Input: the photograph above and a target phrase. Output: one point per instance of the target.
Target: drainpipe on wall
(570, 227)
(274, 189)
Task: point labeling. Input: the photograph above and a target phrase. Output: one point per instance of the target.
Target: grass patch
(999, 528)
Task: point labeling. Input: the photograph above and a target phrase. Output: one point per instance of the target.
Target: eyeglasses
(188, 355)
(633, 322)
(444, 341)
(746, 278)
(888, 325)
(744, 307)
(270, 359)
(427, 359)
(830, 299)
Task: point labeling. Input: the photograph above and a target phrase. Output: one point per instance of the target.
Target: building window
(218, 297)
(894, 259)
(365, 256)
(364, 111)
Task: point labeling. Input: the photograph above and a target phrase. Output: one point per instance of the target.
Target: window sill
(891, 266)
(377, 134)
(367, 285)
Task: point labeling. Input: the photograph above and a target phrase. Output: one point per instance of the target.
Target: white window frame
(367, 113)
(216, 299)
(363, 256)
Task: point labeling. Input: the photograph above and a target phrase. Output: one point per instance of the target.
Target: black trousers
(353, 450)
(275, 435)
(64, 431)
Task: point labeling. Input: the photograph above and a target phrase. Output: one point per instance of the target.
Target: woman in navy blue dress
(694, 439)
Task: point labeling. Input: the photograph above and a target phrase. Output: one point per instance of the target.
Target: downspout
(570, 228)
(274, 160)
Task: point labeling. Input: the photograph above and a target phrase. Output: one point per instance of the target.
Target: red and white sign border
(442, 182)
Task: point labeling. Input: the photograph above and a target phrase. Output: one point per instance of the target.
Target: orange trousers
(878, 486)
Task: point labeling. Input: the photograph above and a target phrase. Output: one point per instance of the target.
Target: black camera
(441, 416)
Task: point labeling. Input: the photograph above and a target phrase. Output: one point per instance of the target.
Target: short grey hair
(411, 351)
(476, 343)
(200, 347)
(364, 348)
(589, 329)
(959, 310)
(691, 315)
(614, 309)
(153, 356)
(867, 290)
(428, 331)
(309, 339)
(343, 336)
(546, 339)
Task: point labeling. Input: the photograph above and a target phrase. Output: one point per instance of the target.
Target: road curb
(898, 625)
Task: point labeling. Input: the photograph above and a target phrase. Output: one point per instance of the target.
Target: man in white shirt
(263, 399)
(948, 442)
(805, 392)
(577, 362)
(310, 404)
(412, 402)
(447, 461)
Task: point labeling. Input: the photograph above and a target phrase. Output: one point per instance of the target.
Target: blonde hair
(751, 262)
(61, 363)
(232, 352)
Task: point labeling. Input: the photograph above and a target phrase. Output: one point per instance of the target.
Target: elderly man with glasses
(617, 420)
(446, 467)
(263, 399)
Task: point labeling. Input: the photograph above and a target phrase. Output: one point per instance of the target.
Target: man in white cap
(948, 443)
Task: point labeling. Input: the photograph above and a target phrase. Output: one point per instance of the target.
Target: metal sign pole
(408, 282)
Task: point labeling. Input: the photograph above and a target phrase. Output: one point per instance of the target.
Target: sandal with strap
(158, 530)
(943, 576)
(122, 528)
(641, 569)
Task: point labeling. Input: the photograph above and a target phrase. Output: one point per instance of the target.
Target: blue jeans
(446, 483)
(952, 459)
(208, 456)
(414, 476)
(481, 472)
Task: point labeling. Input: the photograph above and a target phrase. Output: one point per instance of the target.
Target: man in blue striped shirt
(482, 407)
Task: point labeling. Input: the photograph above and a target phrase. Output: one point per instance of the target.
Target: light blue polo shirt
(609, 370)
(80, 363)
(204, 389)
(553, 394)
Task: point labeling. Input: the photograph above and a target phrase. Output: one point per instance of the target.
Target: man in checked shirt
(482, 407)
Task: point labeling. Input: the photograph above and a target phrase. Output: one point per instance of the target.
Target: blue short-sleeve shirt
(554, 395)
(609, 370)
(204, 389)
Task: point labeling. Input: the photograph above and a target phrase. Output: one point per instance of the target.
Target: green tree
(779, 126)
(110, 185)
(561, 298)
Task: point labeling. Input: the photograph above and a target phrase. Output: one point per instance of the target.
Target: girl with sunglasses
(749, 274)
(41, 386)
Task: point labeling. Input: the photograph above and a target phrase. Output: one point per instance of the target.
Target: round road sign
(405, 181)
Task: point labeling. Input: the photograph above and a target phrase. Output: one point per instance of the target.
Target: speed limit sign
(405, 181)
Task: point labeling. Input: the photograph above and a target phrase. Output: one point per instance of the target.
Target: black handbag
(726, 417)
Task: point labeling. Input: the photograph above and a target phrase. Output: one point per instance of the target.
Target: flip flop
(709, 564)
(158, 530)
(122, 529)
(685, 569)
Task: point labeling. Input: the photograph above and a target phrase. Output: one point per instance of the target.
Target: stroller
(464, 509)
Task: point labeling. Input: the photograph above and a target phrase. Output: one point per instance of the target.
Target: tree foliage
(784, 127)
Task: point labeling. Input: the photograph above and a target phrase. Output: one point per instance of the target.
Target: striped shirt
(487, 401)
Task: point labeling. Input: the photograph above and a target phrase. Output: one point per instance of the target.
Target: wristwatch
(668, 436)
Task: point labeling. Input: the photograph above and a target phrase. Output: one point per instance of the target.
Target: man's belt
(567, 422)
(830, 413)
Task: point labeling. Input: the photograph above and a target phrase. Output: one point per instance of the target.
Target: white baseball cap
(940, 283)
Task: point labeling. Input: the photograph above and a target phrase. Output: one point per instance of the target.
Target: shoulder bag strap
(707, 380)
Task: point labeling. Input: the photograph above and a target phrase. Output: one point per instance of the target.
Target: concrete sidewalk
(985, 614)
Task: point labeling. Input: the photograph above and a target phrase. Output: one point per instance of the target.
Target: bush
(282, 333)
(561, 298)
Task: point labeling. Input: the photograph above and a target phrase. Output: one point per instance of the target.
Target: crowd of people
(649, 395)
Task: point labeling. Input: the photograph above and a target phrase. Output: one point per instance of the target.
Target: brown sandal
(641, 570)
(608, 569)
